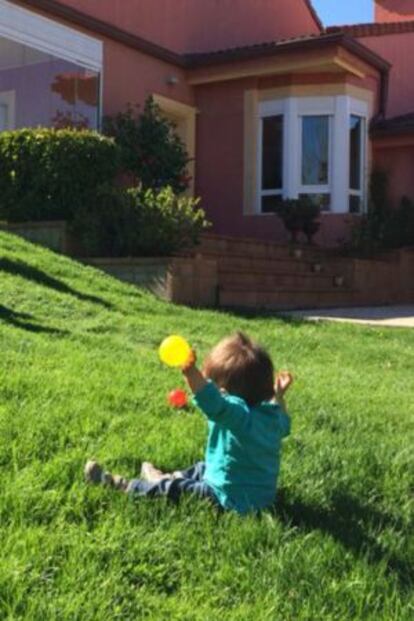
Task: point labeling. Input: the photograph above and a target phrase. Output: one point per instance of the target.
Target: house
(268, 103)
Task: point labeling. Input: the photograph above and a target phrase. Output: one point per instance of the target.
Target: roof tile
(396, 125)
(373, 29)
(271, 48)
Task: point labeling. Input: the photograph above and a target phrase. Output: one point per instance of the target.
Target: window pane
(354, 204)
(3, 117)
(355, 152)
(272, 153)
(315, 150)
(270, 203)
(322, 200)
(48, 90)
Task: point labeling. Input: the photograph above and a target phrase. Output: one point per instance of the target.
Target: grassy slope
(79, 377)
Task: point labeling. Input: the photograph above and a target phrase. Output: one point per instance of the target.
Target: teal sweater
(243, 449)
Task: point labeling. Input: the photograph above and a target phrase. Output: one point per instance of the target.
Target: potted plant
(289, 212)
(300, 216)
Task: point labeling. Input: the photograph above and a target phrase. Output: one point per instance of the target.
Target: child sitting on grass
(247, 420)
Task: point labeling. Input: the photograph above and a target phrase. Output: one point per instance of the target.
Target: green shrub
(382, 227)
(139, 222)
(151, 151)
(400, 227)
(48, 174)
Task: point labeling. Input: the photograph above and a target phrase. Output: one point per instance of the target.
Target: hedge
(49, 174)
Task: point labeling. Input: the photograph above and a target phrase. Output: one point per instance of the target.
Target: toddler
(247, 420)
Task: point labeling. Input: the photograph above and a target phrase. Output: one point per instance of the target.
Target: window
(271, 163)
(48, 90)
(315, 162)
(315, 150)
(51, 72)
(312, 147)
(356, 160)
(3, 117)
(7, 110)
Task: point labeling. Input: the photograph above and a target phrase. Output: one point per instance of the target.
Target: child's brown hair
(242, 368)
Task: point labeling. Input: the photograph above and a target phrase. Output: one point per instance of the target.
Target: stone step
(285, 299)
(272, 252)
(233, 245)
(256, 265)
(271, 281)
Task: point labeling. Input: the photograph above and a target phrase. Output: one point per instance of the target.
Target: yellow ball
(174, 351)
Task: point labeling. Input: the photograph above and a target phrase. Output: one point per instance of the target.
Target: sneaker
(177, 474)
(95, 474)
(152, 474)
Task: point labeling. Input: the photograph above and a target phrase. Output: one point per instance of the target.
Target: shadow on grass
(351, 523)
(19, 268)
(281, 315)
(22, 320)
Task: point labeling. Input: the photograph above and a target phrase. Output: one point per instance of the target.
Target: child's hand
(283, 381)
(193, 376)
(191, 362)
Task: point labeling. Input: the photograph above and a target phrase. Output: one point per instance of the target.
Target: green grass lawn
(80, 377)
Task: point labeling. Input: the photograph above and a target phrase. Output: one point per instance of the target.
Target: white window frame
(339, 109)
(50, 37)
(362, 193)
(8, 99)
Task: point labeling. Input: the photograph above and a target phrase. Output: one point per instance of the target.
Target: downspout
(383, 99)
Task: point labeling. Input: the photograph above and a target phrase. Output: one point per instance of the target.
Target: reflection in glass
(315, 150)
(49, 91)
(355, 152)
(272, 153)
(3, 117)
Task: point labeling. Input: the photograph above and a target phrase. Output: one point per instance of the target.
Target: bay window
(312, 147)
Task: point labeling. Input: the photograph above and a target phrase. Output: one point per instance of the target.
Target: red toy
(178, 398)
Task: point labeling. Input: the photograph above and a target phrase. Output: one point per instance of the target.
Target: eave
(324, 53)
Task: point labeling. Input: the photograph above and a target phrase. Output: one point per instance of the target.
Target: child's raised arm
(230, 414)
(195, 379)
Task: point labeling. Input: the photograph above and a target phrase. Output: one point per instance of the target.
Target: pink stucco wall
(396, 157)
(204, 25)
(130, 76)
(398, 49)
(394, 10)
(397, 160)
(220, 146)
